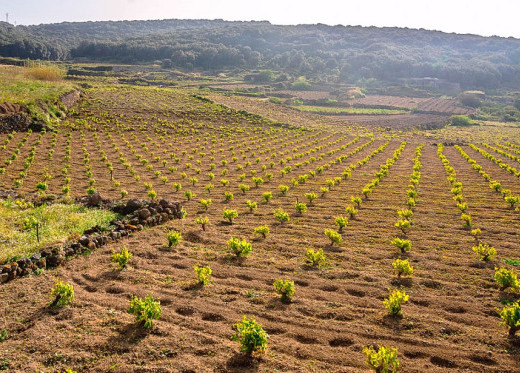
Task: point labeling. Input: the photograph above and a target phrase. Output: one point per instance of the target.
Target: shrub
(311, 196)
(300, 207)
(283, 189)
(63, 293)
(267, 196)
(203, 274)
(250, 335)
(511, 317)
(356, 200)
(189, 195)
(402, 267)
(251, 205)
(461, 120)
(394, 301)
(334, 237)
(281, 216)
(383, 360)
(315, 258)
(122, 258)
(230, 215)
(512, 200)
(263, 230)
(202, 221)
(228, 196)
(351, 210)
(506, 278)
(484, 251)
(285, 288)
(402, 244)
(145, 310)
(239, 247)
(244, 188)
(341, 222)
(205, 203)
(177, 186)
(405, 214)
(403, 225)
(174, 238)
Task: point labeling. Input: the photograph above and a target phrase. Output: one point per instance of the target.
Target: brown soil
(450, 323)
(10, 109)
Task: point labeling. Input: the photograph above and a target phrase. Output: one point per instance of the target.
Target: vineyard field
(216, 153)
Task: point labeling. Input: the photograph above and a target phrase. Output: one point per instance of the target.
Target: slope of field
(450, 323)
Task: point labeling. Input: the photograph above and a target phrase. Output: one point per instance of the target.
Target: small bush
(351, 210)
(205, 203)
(230, 215)
(285, 288)
(506, 278)
(511, 317)
(315, 258)
(252, 206)
(281, 216)
(383, 360)
(341, 222)
(356, 200)
(267, 196)
(262, 230)
(250, 335)
(283, 189)
(203, 274)
(402, 267)
(403, 225)
(402, 244)
(239, 247)
(461, 121)
(202, 221)
(63, 293)
(300, 207)
(484, 251)
(174, 238)
(394, 301)
(122, 258)
(334, 237)
(145, 310)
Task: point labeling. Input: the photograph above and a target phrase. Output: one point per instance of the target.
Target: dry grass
(49, 73)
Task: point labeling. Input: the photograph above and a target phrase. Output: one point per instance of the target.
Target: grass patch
(37, 88)
(325, 110)
(56, 222)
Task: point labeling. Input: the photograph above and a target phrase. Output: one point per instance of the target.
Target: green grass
(39, 96)
(56, 221)
(347, 111)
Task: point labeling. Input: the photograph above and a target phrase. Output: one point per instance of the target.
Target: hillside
(327, 53)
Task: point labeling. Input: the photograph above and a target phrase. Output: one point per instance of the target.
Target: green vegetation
(262, 230)
(250, 335)
(122, 258)
(384, 360)
(285, 288)
(63, 293)
(37, 88)
(239, 247)
(315, 258)
(173, 238)
(394, 301)
(203, 274)
(145, 310)
(506, 278)
(402, 267)
(326, 110)
(461, 121)
(55, 222)
(511, 317)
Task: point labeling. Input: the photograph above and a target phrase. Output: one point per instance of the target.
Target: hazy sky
(484, 17)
